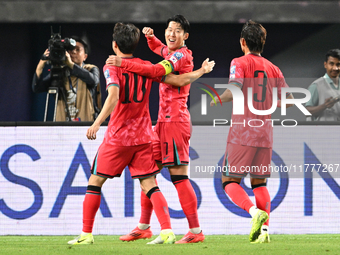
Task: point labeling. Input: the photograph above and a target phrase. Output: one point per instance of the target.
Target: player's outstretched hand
(113, 60)
(208, 66)
(148, 31)
(92, 131)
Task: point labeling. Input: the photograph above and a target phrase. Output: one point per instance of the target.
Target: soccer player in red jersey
(250, 138)
(173, 127)
(129, 134)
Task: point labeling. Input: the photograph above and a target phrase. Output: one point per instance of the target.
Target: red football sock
(188, 200)
(160, 207)
(238, 196)
(90, 207)
(146, 209)
(263, 200)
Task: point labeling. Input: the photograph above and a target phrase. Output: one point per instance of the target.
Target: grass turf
(213, 244)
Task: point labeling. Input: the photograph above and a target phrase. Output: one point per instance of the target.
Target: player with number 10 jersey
(130, 122)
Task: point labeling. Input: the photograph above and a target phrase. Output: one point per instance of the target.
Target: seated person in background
(325, 91)
(81, 85)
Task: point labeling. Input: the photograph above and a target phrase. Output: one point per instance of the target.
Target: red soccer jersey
(173, 100)
(262, 76)
(130, 122)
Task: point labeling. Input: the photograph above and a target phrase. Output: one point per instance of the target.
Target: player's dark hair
(255, 35)
(126, 36)
(181, 20)
(335, 53)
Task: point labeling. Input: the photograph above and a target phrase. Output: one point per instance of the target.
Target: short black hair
(181, 20)
(126, 36)
(335, 53)
(83, 42)
(255, 35)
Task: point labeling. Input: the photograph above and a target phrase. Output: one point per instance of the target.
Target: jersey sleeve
(281, 83)
(236, 74)
(147, 69)
(157, 46)
(111, 77)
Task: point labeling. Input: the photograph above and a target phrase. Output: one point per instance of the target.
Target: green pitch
(214, 244)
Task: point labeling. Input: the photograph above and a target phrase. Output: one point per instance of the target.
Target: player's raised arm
(149, 70)
(148, 31)
(162, 68)
(153, 42)
(187, 78)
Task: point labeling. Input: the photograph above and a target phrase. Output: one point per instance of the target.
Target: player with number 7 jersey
(173, 128)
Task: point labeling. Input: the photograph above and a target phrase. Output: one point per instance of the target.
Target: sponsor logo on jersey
(108, 80)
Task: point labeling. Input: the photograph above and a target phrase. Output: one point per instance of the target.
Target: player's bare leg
(188, 200)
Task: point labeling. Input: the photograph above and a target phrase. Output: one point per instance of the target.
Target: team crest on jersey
(176, 56)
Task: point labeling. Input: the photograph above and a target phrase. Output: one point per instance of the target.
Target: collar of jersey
(178, 49)
(259, 55)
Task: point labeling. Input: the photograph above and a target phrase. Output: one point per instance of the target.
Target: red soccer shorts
(111, 160)
(171, 148)
(239, 160)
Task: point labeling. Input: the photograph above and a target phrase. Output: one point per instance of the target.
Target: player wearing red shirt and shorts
(127, 140)
(173, 128)
(250, 138)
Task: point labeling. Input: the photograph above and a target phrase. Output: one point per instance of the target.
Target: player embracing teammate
(128, 138)
(173, 128)
(247, 145)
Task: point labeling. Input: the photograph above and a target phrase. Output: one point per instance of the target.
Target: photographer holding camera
(78, 83)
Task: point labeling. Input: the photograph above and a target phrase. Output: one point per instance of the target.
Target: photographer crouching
(78, 83)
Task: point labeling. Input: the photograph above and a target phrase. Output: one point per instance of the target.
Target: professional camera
(57, 48)
(59, 73)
